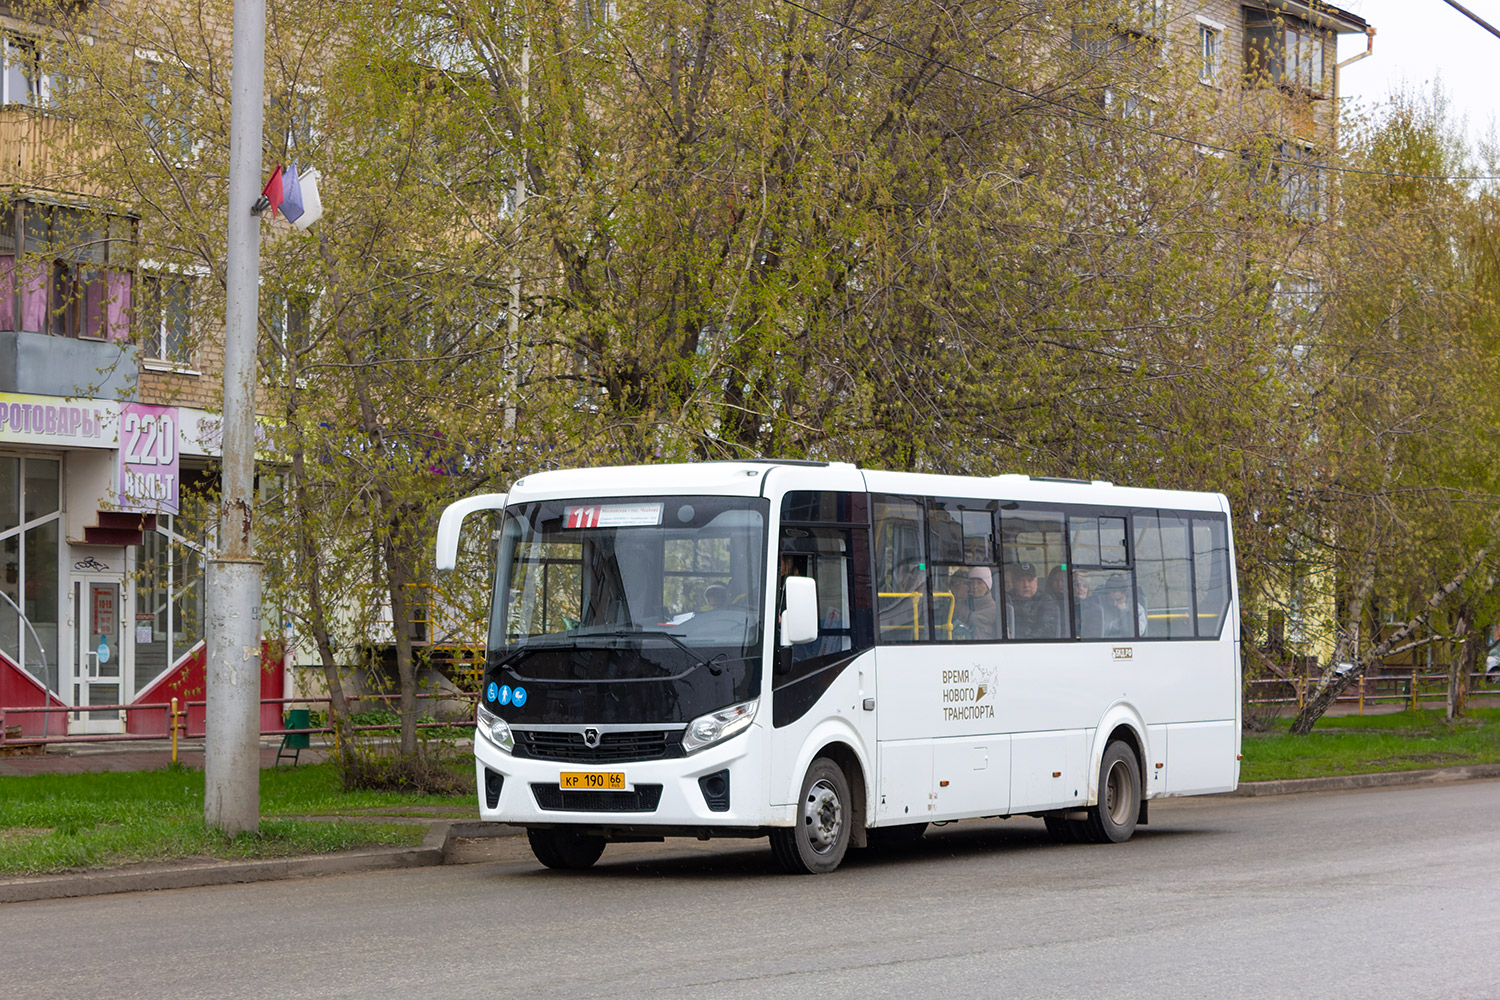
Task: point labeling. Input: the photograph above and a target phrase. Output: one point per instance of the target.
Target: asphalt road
(1381, 893)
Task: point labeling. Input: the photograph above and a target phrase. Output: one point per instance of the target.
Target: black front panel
(613, 748)
(644, 798)
(562, 686)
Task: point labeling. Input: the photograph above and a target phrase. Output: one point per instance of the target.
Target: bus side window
(962, 573)
(836, 559)
(1211, 572)
(901, 571)
(1164, 575)
(1033, 544)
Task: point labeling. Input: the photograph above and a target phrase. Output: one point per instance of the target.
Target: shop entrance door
(101, 653)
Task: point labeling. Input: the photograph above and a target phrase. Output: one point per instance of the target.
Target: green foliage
(934, 236)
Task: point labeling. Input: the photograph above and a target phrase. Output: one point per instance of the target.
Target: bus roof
(748, 478)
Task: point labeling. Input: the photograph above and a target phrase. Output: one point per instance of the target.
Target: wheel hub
(823, 816)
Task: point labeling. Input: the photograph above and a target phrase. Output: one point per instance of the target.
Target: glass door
(102, 649)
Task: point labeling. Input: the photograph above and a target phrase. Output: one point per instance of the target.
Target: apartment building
(109, 380)
(110, 368)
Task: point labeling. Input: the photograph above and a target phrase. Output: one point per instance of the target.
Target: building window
(25, 80)
(1297, 173)
(164, 315)
(594, 14)
(169, 596)
(1284, 52)
(65, 288)
(1210, 49)
(288, 319)
(29, 522)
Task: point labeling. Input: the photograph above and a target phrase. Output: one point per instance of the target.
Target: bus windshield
(676, 580)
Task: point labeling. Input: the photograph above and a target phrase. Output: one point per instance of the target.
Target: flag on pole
(272, 194)
(311, 202)
(291, 202)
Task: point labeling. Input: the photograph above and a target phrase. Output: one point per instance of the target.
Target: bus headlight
(495, 729)
(715, 726)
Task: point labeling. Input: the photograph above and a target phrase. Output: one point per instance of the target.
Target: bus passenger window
(1033, 544)
(1211, 574)
(901, 571)
(962, 575)
(1164, 576)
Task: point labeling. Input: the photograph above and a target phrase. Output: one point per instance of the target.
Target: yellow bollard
(174, 730)
(1361, 696)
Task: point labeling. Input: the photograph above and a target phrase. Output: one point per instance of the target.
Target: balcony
(42, 365)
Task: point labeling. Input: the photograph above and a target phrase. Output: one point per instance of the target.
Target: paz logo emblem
(591, 738)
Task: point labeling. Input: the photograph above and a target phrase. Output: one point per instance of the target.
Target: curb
(435, 849)
(1379, 779)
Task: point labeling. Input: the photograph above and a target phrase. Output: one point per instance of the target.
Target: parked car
(1492, 665)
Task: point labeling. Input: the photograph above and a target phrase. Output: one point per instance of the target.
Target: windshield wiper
(624, 631)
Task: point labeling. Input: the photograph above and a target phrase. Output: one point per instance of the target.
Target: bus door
(823, 534)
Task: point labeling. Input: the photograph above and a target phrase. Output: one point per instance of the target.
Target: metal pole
(513, 348)
(231, 749)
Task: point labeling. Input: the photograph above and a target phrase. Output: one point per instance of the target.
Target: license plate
(610, 781)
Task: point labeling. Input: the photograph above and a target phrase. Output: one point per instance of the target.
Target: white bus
(832, 656)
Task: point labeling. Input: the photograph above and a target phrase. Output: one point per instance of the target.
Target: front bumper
(661, 793)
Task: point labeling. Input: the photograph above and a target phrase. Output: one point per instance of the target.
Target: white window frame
(38, 90)
(1211, 37)
(154, 339)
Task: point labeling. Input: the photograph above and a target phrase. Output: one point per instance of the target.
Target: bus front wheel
(564, 848)
(816, 844)
(1112, 821)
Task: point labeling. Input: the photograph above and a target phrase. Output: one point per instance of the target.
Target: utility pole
(513, 347)
(231, 800)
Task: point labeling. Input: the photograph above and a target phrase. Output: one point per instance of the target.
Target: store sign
(33, 420)
(149, 477)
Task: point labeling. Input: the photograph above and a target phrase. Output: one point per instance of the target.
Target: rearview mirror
(799, 620)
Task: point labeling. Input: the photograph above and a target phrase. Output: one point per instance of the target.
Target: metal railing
(1409, 689)
(175, 724)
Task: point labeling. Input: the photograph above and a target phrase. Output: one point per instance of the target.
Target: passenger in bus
(976, 609)
(1088, 618)
(1057, 596)
(1032, 616)
(1116, 612)
(948, 605)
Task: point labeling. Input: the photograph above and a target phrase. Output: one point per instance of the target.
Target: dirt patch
(1432, 759)
(16, 834)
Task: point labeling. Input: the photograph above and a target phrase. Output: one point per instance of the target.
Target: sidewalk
(129, 755)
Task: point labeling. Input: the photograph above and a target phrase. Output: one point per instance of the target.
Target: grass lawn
(51, 823)
(1353, 744)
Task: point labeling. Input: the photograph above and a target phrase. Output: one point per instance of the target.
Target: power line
(1466, 12)
(1118, 123)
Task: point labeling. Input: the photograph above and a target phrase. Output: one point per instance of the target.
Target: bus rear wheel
(1113, 820)
(564, 848)
(816, 844)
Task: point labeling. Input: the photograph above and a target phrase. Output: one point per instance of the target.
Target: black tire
(904, 835)
(1065, 831)
(817, 843)
(565, 849)
(1113, 820)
